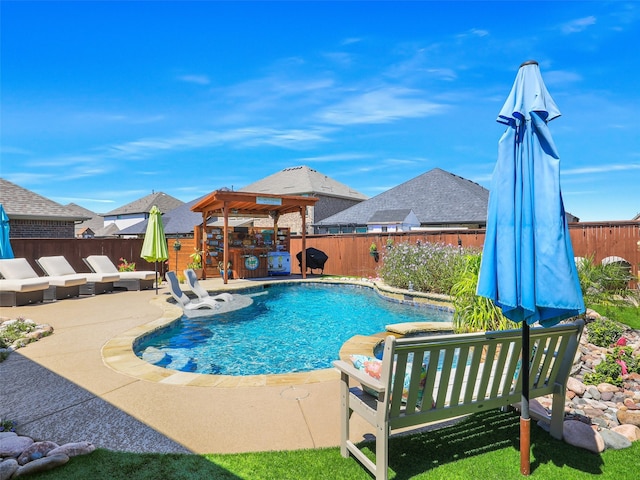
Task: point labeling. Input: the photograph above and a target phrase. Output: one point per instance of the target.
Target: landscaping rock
(8, 468)
(35, 451)
(73, 449)
(581, 435)
(630, 431)
(14, 446)
(41, 465)
(629, 417)
(614, 440)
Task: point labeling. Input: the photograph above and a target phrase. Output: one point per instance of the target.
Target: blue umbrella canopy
(154, 247)
(528, 267)
(5, 245)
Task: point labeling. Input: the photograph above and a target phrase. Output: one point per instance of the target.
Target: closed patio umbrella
(154, 247)
(528, 267)
(5, 245)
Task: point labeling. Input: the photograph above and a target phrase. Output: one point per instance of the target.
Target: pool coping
(118, 353)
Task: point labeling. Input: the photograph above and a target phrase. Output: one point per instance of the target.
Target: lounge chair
(96, 282)
(139, 280)
(57, 287)
(192, 281)
(190, 307)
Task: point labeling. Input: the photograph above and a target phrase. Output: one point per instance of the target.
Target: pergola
(223, 203)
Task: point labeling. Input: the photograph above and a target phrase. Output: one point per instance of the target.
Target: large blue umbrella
(528, 267)
(5, 245)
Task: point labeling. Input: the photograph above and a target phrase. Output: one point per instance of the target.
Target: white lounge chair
(96, 282)
(190, 307)
(57, 287)
(139, 280)
(192, 281)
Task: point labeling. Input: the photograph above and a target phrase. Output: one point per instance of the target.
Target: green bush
(604, 332)
(610, 371)
(427, 267)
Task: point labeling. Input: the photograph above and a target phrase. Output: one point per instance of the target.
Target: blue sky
(103, 102)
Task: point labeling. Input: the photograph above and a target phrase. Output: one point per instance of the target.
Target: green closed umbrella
(154, 247)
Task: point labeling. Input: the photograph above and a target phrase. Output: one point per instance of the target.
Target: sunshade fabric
(5, 245)
(154, 247)
(528, 267)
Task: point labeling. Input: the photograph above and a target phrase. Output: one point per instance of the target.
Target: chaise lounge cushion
(24, 285)
(59, 266)
(102, 264)
(19, 269)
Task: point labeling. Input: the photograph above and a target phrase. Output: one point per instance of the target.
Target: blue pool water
(288, 328)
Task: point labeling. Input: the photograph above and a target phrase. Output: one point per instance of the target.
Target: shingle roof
(436, 197)
(300, 181)
(143, 205)
(180, 220)
(389, 216)
(20, 203)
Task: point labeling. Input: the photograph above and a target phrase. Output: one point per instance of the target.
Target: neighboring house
(34, 216)
(93, 227)
(138, 210)
(333, 196)
(636, 218)
(434, 200)
(181, 221)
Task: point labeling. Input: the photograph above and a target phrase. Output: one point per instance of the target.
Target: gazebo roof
(249, 204)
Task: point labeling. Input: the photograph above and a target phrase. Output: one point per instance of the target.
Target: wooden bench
(472, 373)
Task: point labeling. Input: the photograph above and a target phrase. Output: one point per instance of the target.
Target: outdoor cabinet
(248, 249)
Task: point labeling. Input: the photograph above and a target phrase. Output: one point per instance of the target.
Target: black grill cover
(315, 259)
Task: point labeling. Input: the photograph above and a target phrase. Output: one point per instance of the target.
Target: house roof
(180, 220)
(389, 216)
(23, 204)
(143, 205)
(436, 197)
(303, 180)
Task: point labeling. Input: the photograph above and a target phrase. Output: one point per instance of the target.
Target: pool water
(288, 328)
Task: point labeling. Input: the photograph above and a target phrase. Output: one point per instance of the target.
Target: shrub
(428, 267)
(603, 332)
(610, 370)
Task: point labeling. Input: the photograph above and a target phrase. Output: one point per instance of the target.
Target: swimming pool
(288, 328)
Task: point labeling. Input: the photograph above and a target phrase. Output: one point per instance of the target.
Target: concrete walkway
(62, 389)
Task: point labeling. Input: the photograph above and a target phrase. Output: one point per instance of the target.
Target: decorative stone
(41, 465)
(582, 435)
(630, 404)
(576, 386)
(630, 431)
(35, 451)
(629, 417)
(14, 446)
(7, 435)
(614, 440)
(8, 468)
(607, 387)
(73, 449)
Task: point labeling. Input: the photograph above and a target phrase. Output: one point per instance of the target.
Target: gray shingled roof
(303, 180)
(143, 205)
(180, 220)
(20, 203)
(436, 197)
(389, 216)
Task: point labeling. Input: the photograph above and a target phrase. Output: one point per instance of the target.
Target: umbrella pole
(525, 420)
(155, 269)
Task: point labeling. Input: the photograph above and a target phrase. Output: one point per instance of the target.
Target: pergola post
(225, 238)
(303, 259)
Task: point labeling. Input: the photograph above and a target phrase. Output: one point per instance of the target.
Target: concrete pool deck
(84, 383)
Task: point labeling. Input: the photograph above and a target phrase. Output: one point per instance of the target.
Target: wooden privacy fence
(348, 253)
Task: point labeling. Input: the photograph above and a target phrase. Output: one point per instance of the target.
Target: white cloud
(380, 106)
(602, 169)
(578, 25)
(197, 79)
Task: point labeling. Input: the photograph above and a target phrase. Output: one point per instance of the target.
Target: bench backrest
(471, 372)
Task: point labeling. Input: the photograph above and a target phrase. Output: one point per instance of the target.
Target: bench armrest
(363, 378)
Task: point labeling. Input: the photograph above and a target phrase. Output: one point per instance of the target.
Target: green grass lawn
(627, 315)
(485, 445)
